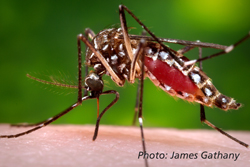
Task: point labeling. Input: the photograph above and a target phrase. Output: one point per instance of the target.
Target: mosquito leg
(225, 51)
(26, 124)
(125, 33)
(203, 116)
(200, 56)
(103, 112)
(185, 49)
(88, 33)
(126, 37)
(181, 42)
(202, 108)
(79, 89)
(203, 119)
(85, 75)
(48, 121)
(133, 59)
(132, 74)
(79, 99)
(140, 52)
(136, 102)
(122, 8)
(140, 107)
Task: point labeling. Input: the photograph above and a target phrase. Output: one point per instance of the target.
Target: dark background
(39, 37)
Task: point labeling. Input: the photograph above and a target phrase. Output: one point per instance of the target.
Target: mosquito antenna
(52, 83)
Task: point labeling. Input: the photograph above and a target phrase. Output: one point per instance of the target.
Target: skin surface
(72, 145)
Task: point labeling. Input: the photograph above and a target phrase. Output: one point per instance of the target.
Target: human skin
(72, 145)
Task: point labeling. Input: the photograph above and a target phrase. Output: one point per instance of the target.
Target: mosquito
(126, 57)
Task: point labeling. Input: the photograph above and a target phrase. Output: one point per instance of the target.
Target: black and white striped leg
(137, 55)
(132, 76)
(122, 14)
(48, 121)
(203, 116)
(133, 67)
(203, 119)
(225, 51)
(140, 107)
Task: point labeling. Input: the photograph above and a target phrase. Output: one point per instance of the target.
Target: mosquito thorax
(113, 49)
(94, 82)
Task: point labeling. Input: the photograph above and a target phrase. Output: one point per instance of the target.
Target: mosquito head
(94, 83)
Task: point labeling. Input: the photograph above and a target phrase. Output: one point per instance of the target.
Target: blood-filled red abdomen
(170, 76)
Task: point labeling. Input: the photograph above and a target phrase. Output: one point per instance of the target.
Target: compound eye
(93, 82)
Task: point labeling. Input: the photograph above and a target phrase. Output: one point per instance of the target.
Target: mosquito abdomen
(189, 83)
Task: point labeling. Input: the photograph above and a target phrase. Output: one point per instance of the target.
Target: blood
(171, 76)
